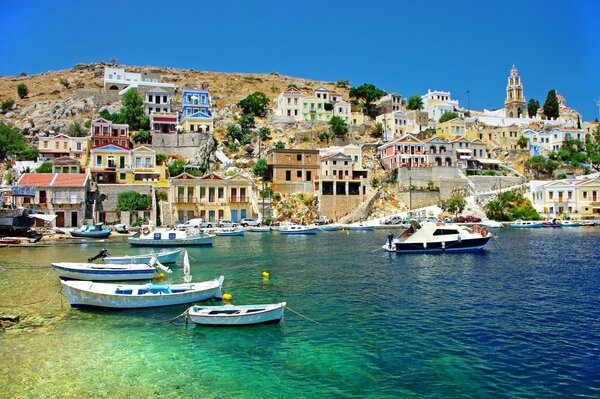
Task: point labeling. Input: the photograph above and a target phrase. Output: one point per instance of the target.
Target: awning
(463, 150)
(44, 217)
(489, 161)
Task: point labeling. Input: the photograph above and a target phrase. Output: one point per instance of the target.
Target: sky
(400, 46)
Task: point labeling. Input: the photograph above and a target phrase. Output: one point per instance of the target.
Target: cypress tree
(551, 105)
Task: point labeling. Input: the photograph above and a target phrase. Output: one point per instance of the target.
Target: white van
(195, 223)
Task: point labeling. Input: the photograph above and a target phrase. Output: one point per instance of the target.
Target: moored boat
(230, 232)
(162, 257)
(361, 227)
(329, 227)
(296, 229)
(230, 315)
(492, 224)
(103, 272)
(551, 223)
(166, 237)
(91, 231)
(569, 223)
(525, 224)
(438, 237)
(261, 229)
(129, 296)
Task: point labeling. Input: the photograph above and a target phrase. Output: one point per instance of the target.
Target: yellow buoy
(160, 276)
(265, 274)
(227, 297)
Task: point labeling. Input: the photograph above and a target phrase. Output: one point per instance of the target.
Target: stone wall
(448, 179)
(484, 184)
(419, 199)
(108, 198)
(191, 145)
(337, 206)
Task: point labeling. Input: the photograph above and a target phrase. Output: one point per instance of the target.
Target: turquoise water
(520, 319)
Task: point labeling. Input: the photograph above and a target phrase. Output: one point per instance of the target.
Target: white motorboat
(438, 237)
(166, 237)
(230, 315)
(230, 232)
(261, 229)
(525, 224)
(293, 228)
(491, 224)
(329, 227)
(569, 223)
(162, 257)
(124, 296)
(104, 272)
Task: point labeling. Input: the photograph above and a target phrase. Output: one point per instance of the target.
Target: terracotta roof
(53, 179)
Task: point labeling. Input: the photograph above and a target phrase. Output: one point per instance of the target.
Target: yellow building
(452, 129)
(574, 199)
(210, 197)
(588, 199)
(313, 109)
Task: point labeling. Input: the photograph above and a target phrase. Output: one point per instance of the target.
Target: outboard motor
(102, 254)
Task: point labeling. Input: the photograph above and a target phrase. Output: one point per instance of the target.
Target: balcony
(186, 200)
(66, 201)
(238, 199)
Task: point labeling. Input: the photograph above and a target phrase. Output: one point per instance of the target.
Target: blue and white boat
(525, 224)
(569, 223)
(230, 232)
(104, 272)
(362, 227)
(175, 238)
(296, 229)
(162, 257)
(438, 237)
(329, 227)
(91, 231)
(130, 296)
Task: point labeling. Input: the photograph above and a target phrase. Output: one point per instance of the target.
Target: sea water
(519, 319)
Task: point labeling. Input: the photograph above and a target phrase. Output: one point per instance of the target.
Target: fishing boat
(261, 229)
(362, 227)
(91, 231)
(569, 223)
(551, 223)
(162, 257)
(107, 272)
(329, 227)
(296, 229)
(129, 296)
(230, 315)
(438, 237)
(166, 237)
(230, 232)
(525, 224)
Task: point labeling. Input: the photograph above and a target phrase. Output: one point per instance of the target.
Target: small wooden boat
(230, 315)
(124, 296)
(91, 231)
(103, 272)
(165, 237)
(162, 257)
(296, 229)
(231, 232)
(261, 229)
(329, 227)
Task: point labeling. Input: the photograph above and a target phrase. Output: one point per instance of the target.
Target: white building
(158, 100)
(289, 104)
(543, 142)
(437, 103)
(118, 79)
(395, 124)
(343, 109)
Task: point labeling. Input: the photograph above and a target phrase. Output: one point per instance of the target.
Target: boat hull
(162, 257)
(193, 241)
(72, 271)
(83, 294)
(464, 245)
(329, 228)
(90, 234)
(362, 228)
(235, 316)
(237, 233)
(261, 229)
(299, 232)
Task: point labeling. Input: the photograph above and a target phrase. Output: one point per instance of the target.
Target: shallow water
(520, 320)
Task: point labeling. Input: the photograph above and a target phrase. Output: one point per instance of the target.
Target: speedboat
(166, 237)
(162, 257)
(525, 224)
(129, 296)
(230, 232)
(438, 237)
(105, 272)
(293, 228)
(91, 231)
(492, 224)
(230, 315)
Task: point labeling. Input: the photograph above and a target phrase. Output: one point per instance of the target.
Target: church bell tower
(514, 105)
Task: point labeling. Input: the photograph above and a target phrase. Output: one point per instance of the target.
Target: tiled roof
(53, 179)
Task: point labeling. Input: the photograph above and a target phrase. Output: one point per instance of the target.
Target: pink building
(105, 132)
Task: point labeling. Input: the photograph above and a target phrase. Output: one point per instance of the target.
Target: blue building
(196, 115)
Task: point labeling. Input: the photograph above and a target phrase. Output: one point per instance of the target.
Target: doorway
(74, 219)
(60, 219)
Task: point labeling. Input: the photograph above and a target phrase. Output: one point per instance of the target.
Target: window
(78, 146)
(308, 175)
(298, 157)
(551, 194)
(98, 160)
(122, 176)
(299, 174)
(288, 175)
(148, 163)
(202, 192)
(585, 194)
(220, 192)
(444, 232)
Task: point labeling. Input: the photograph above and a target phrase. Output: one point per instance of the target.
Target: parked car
(432, 219)
(394, 220)
(249, 222)
(226, 223)
(468, 219)
(322, 220)
(195, 223)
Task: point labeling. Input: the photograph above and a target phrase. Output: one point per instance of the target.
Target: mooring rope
(172, 319)
(301, 315)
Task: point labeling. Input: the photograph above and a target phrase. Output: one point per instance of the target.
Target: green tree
(343, 84)
(255, 103)
(367, 92)
(261, 169)
(551, 109)
(415, 103)
(176, 167)
(379, 130)
(338, 126)
(22, 90)
(28, 154)
(280, 145)
(6, 105)
(264, 133)
(11, 141)
(160, 158)
(532, 107)
(142, 136)
(541, 166)
(247, 122)
(494, 210)
(132, 110)
(45, 167)
(235, 132)
(454, 204)
(133, 201)
(522, 142)
(447, 116)
(76, 130)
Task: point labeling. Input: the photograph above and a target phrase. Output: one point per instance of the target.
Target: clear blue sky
(404, 47)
